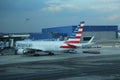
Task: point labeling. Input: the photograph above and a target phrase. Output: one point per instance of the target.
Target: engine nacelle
(20, 51)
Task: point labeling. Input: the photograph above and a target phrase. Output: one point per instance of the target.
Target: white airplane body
(42, 46)
(52, 46)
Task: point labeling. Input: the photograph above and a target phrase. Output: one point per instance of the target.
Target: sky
(19, 16)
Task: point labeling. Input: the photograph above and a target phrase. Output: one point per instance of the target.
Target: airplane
(73, 42)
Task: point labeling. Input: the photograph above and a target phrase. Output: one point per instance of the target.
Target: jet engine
(20, 51)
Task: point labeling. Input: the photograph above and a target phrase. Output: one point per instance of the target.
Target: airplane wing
(36, 49)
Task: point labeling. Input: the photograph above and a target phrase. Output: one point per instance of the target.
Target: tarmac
(63, 66)
(10, 59)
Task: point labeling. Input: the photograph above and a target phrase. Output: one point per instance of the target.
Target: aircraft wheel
(16, 52)
(50, 53)
(36, 55)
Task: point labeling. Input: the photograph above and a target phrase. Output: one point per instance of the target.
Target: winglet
(90, 41)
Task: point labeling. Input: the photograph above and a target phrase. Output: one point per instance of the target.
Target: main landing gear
(50, 53)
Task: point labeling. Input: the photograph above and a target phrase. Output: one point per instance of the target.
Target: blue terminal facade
(57, 32)
(101, 28)
(37, 36)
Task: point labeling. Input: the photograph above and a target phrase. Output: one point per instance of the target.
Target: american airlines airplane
(71, 44)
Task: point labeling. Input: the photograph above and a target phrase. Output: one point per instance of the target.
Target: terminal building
(8, 40)
(100, 32)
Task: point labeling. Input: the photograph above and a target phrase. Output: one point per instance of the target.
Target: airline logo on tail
(75, 37)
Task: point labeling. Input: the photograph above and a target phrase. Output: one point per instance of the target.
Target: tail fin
(76, 36)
